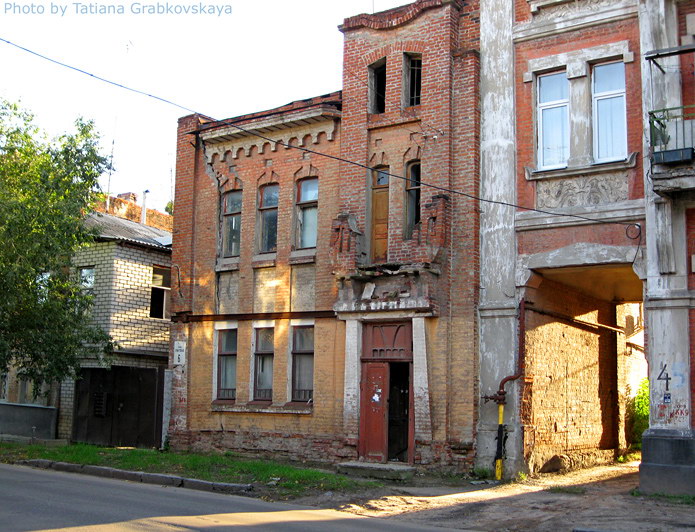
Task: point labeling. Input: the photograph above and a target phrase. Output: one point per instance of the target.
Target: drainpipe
(501, 396)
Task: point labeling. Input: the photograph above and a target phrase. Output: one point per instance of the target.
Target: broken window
(412, 82)
(231, 221)
(159, 294)
(226, 364)
(268, 218)
(307, 211)
(412, 190)
(263, 381)
(377, 87)
(303, 363)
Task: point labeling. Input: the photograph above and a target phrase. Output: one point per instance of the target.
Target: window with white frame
(86, 276)
(226, 363)
(610, 128)
(553, 120)
(159, 293)
(231, 223)
(307, 212)
(303, 363)
(263, 364)
(580, 107)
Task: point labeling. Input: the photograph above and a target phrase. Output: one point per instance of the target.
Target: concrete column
(668, 446)
(351, 398)
(498, 317)
(581, 139)
(421, 389)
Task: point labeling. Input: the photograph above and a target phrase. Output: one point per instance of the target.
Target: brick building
(317, 315)
(128, 269)
(561, 273)
(426, 301)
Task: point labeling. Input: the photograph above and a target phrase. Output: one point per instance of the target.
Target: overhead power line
(229, 122)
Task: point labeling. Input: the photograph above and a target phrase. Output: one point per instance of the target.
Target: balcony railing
(672, 134)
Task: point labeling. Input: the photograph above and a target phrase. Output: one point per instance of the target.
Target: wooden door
(373, 442)
(380, 214)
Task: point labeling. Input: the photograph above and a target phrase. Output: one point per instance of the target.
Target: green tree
(46, 189)
(169, 209)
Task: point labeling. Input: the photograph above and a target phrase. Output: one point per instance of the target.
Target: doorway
(386, 411)
(399, 409)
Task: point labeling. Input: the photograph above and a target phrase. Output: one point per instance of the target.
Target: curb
(139, 476)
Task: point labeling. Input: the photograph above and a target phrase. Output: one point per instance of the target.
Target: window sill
(223, 402)
(261, 407)
(227, 264)
(410, 114)
(264, 260)
(303, 256)
(571, 171)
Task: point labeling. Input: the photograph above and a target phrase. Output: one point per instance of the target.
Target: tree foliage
(46, 189)
(169, 209)
(640, 421)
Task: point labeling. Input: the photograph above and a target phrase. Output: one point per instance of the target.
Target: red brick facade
(427, 277)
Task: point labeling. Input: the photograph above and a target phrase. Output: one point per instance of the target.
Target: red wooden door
(373, 443)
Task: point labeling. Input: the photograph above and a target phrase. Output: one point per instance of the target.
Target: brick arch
(306, 170)
(394, 17)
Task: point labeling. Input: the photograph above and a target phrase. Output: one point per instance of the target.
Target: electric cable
(229, 122)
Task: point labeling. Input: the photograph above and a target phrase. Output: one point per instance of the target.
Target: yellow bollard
(500, 434)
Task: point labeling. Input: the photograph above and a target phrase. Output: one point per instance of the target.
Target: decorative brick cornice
(393, 18)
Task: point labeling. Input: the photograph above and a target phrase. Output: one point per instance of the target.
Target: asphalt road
(34, 499)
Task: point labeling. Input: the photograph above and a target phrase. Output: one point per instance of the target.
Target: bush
(638, 412)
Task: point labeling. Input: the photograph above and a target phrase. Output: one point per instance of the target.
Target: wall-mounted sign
(179, 353)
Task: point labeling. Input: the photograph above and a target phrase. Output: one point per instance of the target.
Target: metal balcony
(671, 134)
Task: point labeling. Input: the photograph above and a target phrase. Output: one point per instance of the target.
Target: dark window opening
(412, 188)
(268, 218)
(303, 363)
(231, 220)
(263, 381)
(226, 360)
(159, 295)
(414, 79)
(377, 85)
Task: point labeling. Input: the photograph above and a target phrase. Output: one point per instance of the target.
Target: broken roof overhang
(226, 130)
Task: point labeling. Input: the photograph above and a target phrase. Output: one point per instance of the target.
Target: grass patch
(569, 490)
(675, 499)
(283, 480)
(631, 456)
(482, 473)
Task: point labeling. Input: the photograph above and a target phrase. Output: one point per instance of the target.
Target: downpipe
(501, 396)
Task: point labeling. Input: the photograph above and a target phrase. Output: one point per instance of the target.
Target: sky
(240, 56)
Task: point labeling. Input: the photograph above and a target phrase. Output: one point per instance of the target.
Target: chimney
(143, 214)
(128, 196)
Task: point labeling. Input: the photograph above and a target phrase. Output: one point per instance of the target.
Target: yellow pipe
(500, 421)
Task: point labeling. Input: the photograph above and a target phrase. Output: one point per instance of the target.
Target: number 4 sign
(664, 376)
